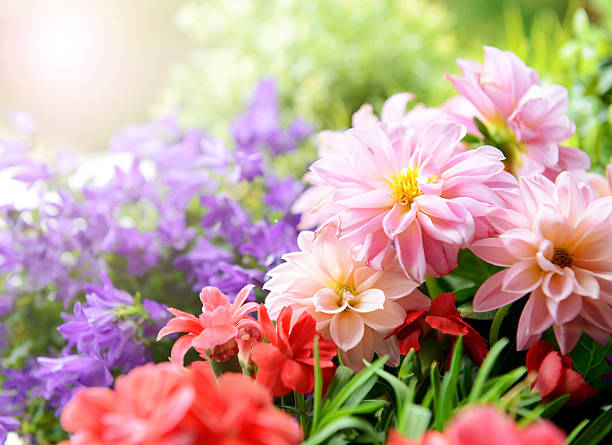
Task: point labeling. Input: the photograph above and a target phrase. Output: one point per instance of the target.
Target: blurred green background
(201, 58)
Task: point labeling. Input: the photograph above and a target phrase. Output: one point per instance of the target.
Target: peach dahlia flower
(354, 305)
(555, 243)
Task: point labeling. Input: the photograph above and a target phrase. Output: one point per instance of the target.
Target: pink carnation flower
(221, 331)
(485, 425)
(355, 306)
(555, 243)
(526, 120)
(419, 189)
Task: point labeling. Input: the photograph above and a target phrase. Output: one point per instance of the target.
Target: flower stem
(301, 409)
(496, 324)
(432, 287)
(231, 365)
(318, 387)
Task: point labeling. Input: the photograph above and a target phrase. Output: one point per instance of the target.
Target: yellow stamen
(405, 187)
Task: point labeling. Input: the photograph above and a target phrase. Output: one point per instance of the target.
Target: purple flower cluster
(103, 335)
(166, 202)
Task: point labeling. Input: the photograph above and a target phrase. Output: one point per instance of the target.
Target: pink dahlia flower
(420, 190)
(221, 331)
(354, 305)
(601, 185)
(315, 204)
(527, 121)
(555, 243)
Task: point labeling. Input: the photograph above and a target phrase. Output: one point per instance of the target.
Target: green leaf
(414, 422)
(342, 375)
(496, 387)
(588, 358)
(354, 384)
(318, 387)
(448, 389)
(485, 370)
(482, 128)
(596, 431)
(325, 433)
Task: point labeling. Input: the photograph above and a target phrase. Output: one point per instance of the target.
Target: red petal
(266, 324)
(268, 356)
(191, 326)
(475, 346)
(444, 305)
(411, 317)
(298, 376)
(270, 363)
(446, 325)
(180, 348)
(573, 383)
(410, 341)
(549, 374)
(536, 354)
(302, 333)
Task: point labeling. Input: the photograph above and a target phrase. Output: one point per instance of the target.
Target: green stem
(301, 409)
(318, 387)
(496, 324)
(432, 287)
(231, 365)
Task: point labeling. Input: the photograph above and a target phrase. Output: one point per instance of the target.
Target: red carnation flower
(554, 375)
(166, 404)
(446, 321)
(286, 363)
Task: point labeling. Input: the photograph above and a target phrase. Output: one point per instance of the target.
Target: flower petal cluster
(287, 362)
(554, 243)
(554, 376)
(166, 404)
(479, 425)
(527, 121)
(418, 189)
(601, 185)
(445, 320)
(222, 330)
(354, 305)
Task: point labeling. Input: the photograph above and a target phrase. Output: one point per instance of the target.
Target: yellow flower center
(405, 187)
(562, 258)
(345, 293)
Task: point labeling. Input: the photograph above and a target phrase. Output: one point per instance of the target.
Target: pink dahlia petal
(522, 277)
(386, 319)
(568, 309)
(332, 256)
(398, 219)
(327, 301)
(493, 251)
(558, 285)
(567, 336)
(441, 257)
(368, 301)
(585, 283)
(409, 245)
(534, 320)
(394, 108)
(491, 295)
(346, 329)
(521, 243)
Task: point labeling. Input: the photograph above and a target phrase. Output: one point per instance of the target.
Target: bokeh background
(82, 70)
